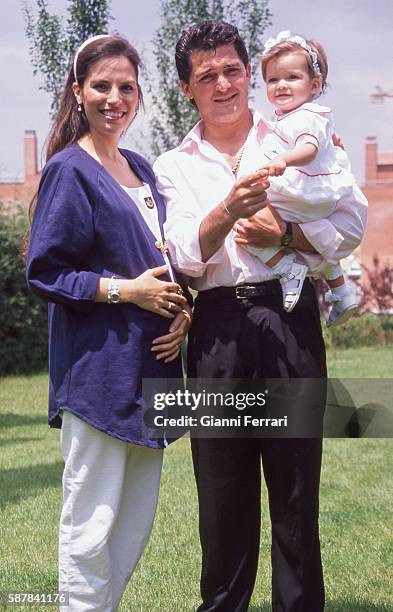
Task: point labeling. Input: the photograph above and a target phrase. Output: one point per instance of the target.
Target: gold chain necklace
(237, 160)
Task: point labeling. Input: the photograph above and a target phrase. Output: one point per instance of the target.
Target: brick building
(378, 189)
(24, 189)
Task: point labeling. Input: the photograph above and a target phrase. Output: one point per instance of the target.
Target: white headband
(83, 45)
(286, 36)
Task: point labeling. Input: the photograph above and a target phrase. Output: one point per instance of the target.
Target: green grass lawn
(355, 510)
(365, 362)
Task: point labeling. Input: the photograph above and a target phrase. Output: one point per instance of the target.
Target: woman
(96, 255)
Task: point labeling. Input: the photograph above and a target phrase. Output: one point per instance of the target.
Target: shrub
(367, 330)
(23, 317)
(387, 326)
(375, 327)
(377, 287)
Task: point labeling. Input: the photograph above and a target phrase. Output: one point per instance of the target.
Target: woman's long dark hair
(70, 124)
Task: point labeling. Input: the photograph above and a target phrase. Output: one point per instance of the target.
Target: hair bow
(286, 36)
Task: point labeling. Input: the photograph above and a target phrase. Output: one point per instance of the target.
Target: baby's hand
(337, 141)
(276, 167)
(262, 177)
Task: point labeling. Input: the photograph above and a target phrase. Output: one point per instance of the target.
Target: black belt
(270, 288)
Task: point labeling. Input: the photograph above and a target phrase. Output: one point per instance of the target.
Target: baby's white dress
(309, 192)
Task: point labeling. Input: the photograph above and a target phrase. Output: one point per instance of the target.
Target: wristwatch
(287, 237)
(113, 291)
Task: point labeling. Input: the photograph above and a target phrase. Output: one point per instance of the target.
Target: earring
(79, 107)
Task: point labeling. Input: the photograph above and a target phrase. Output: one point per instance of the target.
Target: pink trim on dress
(282, 138)
(307, 134)
(319, 173)
(296, 110)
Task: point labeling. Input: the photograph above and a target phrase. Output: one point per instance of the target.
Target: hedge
(366, 330)
(23, 317)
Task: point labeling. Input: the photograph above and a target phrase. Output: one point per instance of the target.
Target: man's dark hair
(205, 36)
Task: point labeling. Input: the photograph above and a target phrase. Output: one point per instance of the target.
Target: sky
(356, 34)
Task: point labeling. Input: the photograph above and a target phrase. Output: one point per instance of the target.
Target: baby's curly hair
(286, 47)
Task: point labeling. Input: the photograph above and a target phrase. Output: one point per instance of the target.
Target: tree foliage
(172, 114)
(53, 42)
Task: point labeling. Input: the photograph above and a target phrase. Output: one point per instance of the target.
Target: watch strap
(113, 291)
(287, 237)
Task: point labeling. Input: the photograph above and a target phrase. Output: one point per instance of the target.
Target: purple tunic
(86, 226)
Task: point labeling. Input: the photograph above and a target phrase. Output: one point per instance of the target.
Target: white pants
(110, 493)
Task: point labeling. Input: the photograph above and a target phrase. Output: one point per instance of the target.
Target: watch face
(114, 297)
(287, 237)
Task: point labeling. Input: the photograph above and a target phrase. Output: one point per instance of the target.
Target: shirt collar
(310, 106)
(195, 135)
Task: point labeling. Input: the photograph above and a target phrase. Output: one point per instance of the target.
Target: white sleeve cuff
(185, 250)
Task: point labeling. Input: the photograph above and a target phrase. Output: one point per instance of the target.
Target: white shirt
(143, 198)
(194, 178)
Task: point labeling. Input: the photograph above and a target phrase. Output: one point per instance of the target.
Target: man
(241, 330)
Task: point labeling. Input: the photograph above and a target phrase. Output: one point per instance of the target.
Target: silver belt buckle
(238, 292)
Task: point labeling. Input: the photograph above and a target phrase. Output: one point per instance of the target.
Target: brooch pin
(161, 246)
(149, 202)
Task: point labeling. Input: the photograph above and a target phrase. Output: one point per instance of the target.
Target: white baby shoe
(342, 309)
(292, 283)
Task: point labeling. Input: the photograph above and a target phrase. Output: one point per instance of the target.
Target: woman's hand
(168, 347)
(161, 297)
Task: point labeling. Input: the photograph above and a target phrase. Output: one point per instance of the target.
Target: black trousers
(251, 339)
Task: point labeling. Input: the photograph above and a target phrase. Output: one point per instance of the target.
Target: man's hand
(247, 196)
(264, 229)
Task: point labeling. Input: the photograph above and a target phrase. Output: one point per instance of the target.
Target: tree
(53, 44)
(172, 114)
(377, 287)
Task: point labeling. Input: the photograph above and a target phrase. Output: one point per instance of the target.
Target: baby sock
(339, 291)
